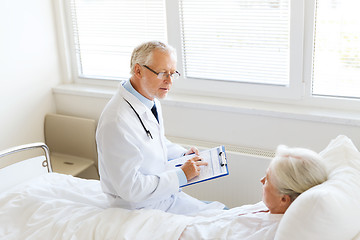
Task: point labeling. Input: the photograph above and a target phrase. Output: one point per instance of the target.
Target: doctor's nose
(168, 79)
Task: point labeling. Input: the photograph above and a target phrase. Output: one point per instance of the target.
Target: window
(337, 49)
(231, 40)
(105, 33)
(240, 48)
(255, 49)
(228, 41)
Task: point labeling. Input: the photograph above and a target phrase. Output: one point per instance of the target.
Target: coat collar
(128, 86)
(140, 107)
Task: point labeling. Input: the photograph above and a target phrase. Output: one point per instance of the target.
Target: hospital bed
(36, 203)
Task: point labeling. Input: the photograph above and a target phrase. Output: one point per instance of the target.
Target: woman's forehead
(269, 176)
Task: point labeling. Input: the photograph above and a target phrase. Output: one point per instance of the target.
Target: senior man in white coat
(132, 147)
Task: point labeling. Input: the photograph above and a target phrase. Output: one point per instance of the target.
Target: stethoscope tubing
(148, 133)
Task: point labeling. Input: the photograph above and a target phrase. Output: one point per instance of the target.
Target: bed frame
(28, 168)
(46, 163)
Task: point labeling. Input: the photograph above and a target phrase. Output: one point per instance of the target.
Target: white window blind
(336, 65)
(105, 33)
(236, 40)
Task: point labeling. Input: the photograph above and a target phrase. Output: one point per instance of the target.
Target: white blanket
(57, 206)
(248, 222)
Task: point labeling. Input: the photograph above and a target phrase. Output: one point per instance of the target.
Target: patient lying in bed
(290, 173)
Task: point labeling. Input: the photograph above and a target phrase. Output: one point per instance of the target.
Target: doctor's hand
(192, 150)
(191, 167)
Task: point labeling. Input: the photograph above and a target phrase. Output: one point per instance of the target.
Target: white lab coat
(132, 165)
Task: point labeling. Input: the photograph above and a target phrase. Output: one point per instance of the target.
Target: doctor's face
(150, 86)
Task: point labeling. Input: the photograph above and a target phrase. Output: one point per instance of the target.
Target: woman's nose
(262, 180)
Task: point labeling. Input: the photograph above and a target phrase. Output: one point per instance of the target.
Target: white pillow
(341, 152)
(330, 210)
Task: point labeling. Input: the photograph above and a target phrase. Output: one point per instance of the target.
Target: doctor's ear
(137, 70)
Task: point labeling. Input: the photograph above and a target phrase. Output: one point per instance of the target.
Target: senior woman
(291, 172)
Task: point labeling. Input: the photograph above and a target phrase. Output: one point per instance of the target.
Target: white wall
(29, 69)
(257, 129)
(239, 126)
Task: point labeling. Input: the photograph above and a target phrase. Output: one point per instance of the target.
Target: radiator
(242, 186)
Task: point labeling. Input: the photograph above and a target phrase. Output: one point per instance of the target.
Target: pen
(179, 165)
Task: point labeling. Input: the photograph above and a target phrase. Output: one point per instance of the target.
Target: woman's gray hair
(142, 54)
(295, 170)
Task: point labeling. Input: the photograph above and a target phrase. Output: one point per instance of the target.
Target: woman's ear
(285, 201)
(286, 198)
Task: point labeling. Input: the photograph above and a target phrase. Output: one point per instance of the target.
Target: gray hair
(295, 170)
(142, 54)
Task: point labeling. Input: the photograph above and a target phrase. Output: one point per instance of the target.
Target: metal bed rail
(46, 163)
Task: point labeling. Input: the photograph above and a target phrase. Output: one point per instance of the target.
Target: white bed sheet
(58, 206)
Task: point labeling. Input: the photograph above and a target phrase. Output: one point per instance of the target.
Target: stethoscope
(148, 133)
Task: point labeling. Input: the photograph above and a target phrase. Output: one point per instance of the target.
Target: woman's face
(272, 198)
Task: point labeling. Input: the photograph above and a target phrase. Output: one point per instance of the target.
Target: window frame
(339, 103)
(238, 90)
(301, 49)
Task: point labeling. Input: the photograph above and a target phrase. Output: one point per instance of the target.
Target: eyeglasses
(164, 75)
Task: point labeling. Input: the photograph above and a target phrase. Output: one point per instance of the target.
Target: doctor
(132, 147)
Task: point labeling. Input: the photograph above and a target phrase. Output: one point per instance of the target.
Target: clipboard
(217, 165)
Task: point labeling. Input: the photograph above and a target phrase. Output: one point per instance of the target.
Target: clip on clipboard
(222, 159)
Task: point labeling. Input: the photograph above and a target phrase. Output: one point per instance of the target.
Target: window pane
(236, 40)
(336, 70)
(106, 32)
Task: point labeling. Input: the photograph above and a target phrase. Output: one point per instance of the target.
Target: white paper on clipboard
(217, 164)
